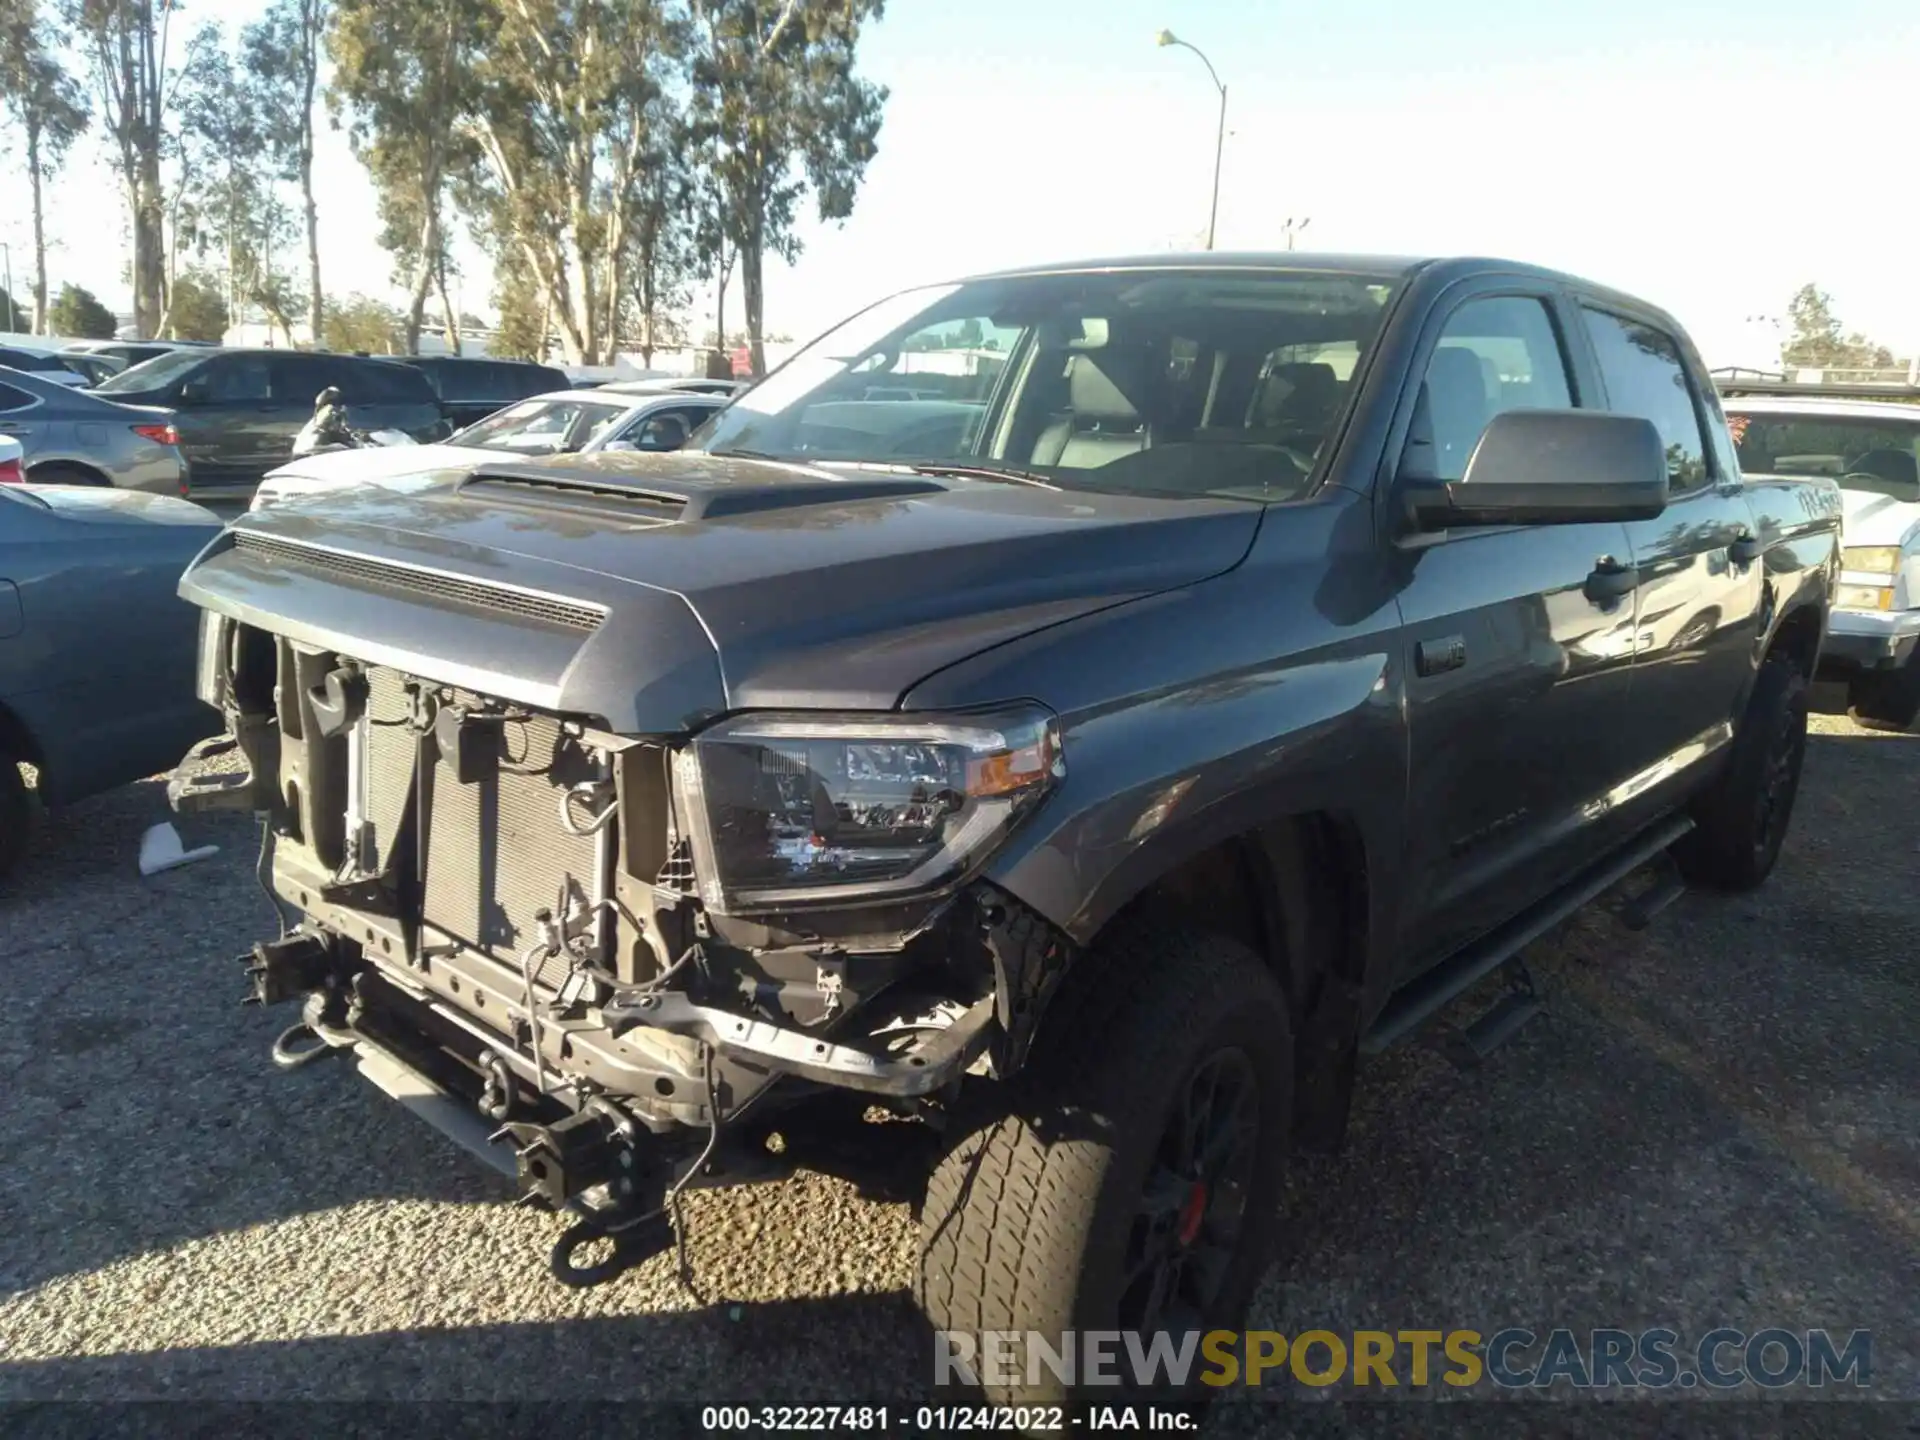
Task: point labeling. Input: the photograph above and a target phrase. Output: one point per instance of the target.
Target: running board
(1417, 1002)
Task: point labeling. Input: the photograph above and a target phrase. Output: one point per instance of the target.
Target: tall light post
(1165, 38)
(13, 304)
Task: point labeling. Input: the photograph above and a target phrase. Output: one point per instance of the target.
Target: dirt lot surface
(1716, 1123)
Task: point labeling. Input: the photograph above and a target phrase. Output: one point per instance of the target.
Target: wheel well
(94, 476)
(1294, 893)
(1798, 638)
(16, 741)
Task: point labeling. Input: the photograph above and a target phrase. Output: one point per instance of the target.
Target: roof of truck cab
(1382, 267)
(1823, 405)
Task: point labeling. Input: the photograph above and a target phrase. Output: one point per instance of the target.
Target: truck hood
(1870, 519)
(656, 591)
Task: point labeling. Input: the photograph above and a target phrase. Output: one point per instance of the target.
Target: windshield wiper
(959, 470)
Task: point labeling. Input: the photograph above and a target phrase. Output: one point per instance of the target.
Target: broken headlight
(794, 810)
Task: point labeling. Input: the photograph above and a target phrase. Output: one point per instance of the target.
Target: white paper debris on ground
(160, 849)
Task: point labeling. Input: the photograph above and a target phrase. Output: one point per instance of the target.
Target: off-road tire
(16, 813)
(1741, 821)
(1027, 1221)
(1886, 699)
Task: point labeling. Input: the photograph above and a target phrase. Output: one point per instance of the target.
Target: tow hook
(314, 1036)
(628, 1245)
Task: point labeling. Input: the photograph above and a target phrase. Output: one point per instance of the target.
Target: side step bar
(1427, 994)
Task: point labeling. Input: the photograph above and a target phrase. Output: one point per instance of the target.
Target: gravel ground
(1716, 1123)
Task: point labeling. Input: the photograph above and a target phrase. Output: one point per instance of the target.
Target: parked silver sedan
(73, 438)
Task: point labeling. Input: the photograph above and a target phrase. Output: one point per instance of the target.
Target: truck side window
(1645, 377)
(1496, 354)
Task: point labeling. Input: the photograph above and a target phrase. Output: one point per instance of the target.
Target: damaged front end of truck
(552, 896)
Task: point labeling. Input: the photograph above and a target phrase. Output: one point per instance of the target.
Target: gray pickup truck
(1215, 667)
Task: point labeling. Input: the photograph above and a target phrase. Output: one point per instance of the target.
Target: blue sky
(1711, 156)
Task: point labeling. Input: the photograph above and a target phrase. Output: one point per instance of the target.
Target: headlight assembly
(787, 811)
(1870, 559)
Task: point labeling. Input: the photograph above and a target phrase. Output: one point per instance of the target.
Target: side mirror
(1549, 467)
(625, 447)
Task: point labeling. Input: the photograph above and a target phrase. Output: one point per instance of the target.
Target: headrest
(1095, 397)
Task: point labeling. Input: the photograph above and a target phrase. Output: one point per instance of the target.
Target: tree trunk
(39, 233)
(753, 285)
(149, 249)
(450, 327)
(417, 300)
(313, 20)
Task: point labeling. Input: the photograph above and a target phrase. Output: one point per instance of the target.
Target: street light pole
(13, 304)
(1166, 38)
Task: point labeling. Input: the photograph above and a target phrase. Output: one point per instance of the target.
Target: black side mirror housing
(1548, 467)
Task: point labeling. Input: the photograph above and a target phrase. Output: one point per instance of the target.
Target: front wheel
(1133, 1184)
(1886, 699)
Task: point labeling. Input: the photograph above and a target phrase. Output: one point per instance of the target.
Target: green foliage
(197, 310)
(46, 110)
(361, 323)
(1817, 341)
(522, 331)
(777, 113)
(79, 314)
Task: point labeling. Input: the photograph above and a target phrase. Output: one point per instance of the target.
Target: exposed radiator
(496, 852)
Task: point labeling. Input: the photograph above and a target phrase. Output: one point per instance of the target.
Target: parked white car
(1871, 448)
(562, 422)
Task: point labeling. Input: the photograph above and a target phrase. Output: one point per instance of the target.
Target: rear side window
(12, 399)
(1496, 354)
(1645, 376)
(377, 382)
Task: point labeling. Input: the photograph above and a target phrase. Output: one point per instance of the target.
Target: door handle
(1609, 580)
(1745, 548)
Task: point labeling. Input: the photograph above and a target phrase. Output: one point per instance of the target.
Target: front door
(1697, 567)
(1520, 647)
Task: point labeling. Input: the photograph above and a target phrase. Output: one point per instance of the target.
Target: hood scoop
(592, 483)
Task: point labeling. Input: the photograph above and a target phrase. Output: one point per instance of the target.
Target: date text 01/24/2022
(885, 1420)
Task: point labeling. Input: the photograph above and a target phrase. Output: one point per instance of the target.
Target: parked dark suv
(471, 390)
(238, 410)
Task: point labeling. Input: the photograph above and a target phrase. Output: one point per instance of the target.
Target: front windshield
(1879, 456)
(151, 374)
(540, 427)
(1172, 381)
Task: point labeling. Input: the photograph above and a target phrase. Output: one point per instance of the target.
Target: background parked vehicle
(96, 648)
(472, 389)
(562, 423)
(40, 362)
(80, 437)
(93, 368)
(689, 386)
(128, 353)
(1871, 449)
(238, 411)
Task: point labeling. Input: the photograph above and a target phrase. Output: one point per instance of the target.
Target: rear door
(1697, 567)
(1519, 641)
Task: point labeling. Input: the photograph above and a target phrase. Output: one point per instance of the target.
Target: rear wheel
(16, 813)
(1741, 822)
(1133, 1185)
(1886, 699)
